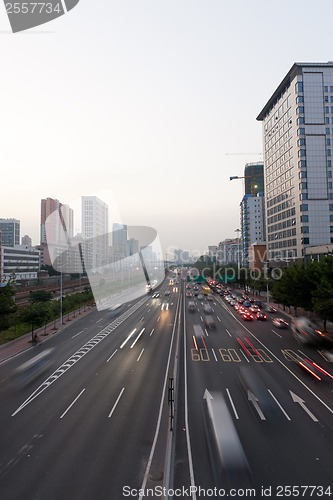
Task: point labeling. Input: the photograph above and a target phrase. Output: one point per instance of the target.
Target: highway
(92, 423)
(285, 431)
(96, 423)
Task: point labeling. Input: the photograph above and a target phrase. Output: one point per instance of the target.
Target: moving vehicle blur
(209, 322)
(31, 369)
(312, 332)
(261, 316)
(191, 306)
(227, 457)
(280, 323)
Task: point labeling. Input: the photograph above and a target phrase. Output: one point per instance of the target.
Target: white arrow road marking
(251, 397)
(299, 400)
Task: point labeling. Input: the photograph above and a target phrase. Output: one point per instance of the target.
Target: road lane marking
(218, 318)
(232, 404)
(276, 333)
(77, 334)
(99, 320)
(127, 339)
(228, 333)
(140, 355)
(112, 355)
(279, 405)
(163, 396)
(151, 333)
(117, 401)
(244, 356)
(70, 406)
(214, 354)
(137, 338)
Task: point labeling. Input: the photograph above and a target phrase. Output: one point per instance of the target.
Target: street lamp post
(61, 298)
(238, 250)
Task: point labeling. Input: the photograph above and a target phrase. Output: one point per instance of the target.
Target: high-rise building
(26, 240)
(119, 239)
(10, 231)
(254, 178)
(252, 223)
(95, 231)
(52, 228)
(298, 142)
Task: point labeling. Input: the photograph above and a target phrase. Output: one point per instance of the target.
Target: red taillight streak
(252, 346)
(322, 370)
(243, 346)
(204, 343)
(195, 343)
(310, 371)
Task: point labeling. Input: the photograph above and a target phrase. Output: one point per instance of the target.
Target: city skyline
(158, 103)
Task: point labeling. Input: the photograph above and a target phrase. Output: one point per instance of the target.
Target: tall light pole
(61, 298)
(238, 250)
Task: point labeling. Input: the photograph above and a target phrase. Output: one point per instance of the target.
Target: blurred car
(246, 303)
(242, 310)
(280, 323)
(188, 294)
(199, 337)
(247, 316)
(308, 331)
(207, 309)
(155, 295)
(254, 308)
(191, 306)
(32, 369)
(200, 296)
(261, 316)
(209, 322)
(227, 457)
(167, 293)
(210, 298)
(269, 309)
(254, 381)
(115, 310)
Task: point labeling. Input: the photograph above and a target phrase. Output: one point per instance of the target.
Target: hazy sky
(148, 98)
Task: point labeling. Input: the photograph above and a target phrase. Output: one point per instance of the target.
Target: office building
(26, 240)
(95, 231)
(119, 239)
(297, 125)
(54, 229)
(10, 231)
(20, 262)
(252, 223)
(254, 178)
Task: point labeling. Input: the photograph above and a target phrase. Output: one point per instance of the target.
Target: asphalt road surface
(153, 399)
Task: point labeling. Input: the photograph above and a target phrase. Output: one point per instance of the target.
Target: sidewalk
(24, 342)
